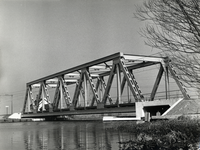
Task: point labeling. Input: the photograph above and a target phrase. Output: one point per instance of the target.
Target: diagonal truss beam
(98, 88)
(25, 101)
(109, 83)
(104, 87)
(65, 91)
(43, 98)
(176, 78)
(94, 90)
(131, 81)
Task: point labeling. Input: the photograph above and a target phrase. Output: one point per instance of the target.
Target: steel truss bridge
(89, 88)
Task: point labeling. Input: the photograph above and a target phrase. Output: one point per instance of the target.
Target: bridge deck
(128, 109)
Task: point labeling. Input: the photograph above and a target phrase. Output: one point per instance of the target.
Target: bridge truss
(89, 88)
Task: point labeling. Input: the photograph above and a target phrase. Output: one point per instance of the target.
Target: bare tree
(173, 26)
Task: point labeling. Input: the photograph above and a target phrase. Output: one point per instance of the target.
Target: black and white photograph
(99, 74)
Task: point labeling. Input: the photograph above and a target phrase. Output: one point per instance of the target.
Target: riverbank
(182, 133)
(14, 120)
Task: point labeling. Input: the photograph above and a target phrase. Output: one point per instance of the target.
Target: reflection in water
(65, 136)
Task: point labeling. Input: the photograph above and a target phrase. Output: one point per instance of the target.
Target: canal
(63, 135)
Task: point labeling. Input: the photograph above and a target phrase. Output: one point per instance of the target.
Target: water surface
(64, 135)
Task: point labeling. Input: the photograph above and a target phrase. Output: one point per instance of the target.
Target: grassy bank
(179, 134)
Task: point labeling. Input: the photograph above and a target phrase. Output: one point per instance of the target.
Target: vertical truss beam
(167, 83)
(78, 89)
(61, 95)
(43, 97)
(119, 90)
(99, 87)
(157, 82)
(38, 98)
(85, 89)
(31, 100)
(56, 97)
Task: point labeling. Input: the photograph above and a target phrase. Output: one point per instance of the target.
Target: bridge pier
(153, 107)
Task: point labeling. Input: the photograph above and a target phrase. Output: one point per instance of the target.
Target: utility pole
(7, 110)
(11, 102)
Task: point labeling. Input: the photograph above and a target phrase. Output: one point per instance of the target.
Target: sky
(42, 37)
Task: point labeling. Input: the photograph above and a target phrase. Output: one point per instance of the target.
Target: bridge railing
(174, 94)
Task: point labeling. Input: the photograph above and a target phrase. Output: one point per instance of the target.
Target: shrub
(182, 133)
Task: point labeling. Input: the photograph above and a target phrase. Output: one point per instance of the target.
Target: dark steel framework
(90, 84)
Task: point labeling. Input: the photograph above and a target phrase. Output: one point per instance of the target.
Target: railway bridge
(105, 86)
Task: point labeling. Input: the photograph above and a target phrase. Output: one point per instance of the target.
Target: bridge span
(103, 86)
